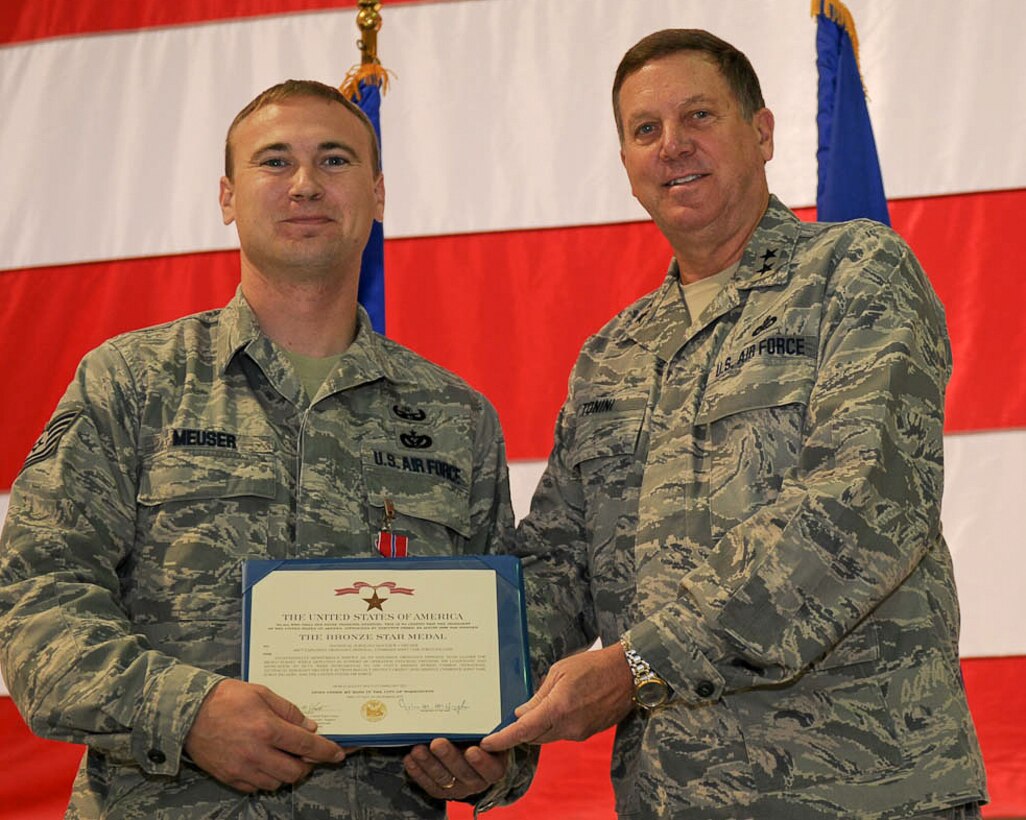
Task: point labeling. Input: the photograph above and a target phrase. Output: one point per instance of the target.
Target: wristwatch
(650, 690)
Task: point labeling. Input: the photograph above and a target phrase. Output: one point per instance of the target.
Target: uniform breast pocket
(605, 454)
(427, 494)
(199, 515)
(754, 436)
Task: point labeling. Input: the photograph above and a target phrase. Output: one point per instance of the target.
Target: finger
(535, 700)
(526, 706)
(490, 767)
(440, 788)
(534, 727)
(435, 769)
(286, 709)
(243, 786)
(279, 767)
(502, 740)
(307, 746)
(454, 760)
(316, 762)
(346, 751)
(256, 781)
(266, 783)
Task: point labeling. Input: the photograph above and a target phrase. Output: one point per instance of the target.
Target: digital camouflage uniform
(755, 496)
(177, 452)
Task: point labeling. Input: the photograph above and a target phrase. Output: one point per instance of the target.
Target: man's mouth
(684, 180)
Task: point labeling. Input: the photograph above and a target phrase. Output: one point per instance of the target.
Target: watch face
(651, 693)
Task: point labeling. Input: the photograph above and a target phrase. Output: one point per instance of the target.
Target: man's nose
(305, 183)
(676, 141)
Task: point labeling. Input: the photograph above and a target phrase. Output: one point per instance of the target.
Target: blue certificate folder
(514, 678)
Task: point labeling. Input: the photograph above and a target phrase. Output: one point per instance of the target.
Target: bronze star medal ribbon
(390, 544)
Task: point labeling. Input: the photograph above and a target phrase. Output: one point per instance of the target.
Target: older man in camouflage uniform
(279, 427)
(743, 498)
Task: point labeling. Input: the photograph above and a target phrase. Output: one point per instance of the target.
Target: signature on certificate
(409, 704)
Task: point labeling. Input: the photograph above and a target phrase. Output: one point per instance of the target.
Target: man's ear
(763, 122)
(379, 198)
(226, 197)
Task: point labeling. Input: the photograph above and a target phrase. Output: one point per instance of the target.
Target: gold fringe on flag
(837, 12)
(370, 70)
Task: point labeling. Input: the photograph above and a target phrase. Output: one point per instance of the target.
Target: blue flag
(372, 269)
(850, 184)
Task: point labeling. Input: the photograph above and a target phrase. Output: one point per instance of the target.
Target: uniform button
(156, 756)
(705, 689)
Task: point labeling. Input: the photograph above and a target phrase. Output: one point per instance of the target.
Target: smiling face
(303, 193)
(694, 162)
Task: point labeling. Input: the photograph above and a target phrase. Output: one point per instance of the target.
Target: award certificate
(390, 651)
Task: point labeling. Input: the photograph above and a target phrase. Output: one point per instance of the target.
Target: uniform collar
(365, 360)
(663, 325)
(766, 260)
(237, 328)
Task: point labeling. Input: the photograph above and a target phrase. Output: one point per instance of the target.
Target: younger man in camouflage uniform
(278, 427)
(743, 499)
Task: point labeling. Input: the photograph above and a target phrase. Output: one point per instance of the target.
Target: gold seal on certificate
(390, 652)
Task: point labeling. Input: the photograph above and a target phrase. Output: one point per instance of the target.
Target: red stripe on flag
(509, 311)
(970, 247)
(35, 775)
(573, 778)
(60, 18)
(994, 689)
(50, 317)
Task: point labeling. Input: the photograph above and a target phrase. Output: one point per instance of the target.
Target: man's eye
(701, 115)
(274, 162)
(645, 129)
(336, 161)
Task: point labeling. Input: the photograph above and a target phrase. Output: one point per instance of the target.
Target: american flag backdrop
(510, 232)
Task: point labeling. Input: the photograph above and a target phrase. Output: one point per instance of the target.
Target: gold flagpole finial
(370, 70)
(368, 20)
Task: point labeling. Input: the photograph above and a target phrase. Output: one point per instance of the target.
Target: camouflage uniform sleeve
(855, 517)
(491, 511)
(552, 542)
(70, 658)
(491, 514)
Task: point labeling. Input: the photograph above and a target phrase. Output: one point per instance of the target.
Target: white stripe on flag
(984, 517)
(521, 137)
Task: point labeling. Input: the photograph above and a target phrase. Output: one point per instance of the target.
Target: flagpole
(369, 71)
(364, 84)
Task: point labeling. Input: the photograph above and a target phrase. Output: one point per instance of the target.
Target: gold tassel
(374, 73)
(370, 70)
(837, 12)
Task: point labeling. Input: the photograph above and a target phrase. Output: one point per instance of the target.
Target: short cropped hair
(733, 65)
(294, 89)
